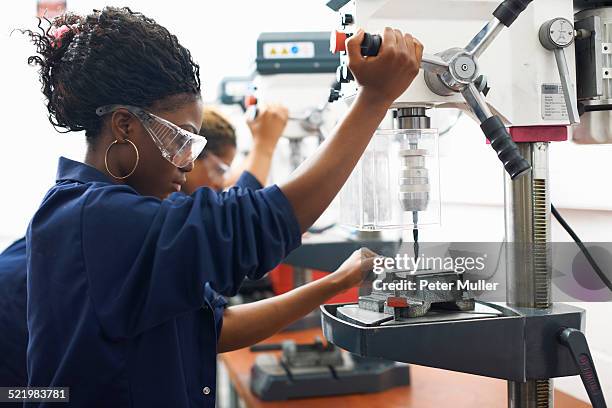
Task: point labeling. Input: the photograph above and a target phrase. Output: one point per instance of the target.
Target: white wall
(221, 36)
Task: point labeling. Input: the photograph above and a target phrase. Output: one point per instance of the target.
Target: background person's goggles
(215, 166)
(177, 145)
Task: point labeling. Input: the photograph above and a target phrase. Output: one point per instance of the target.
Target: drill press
(525, 340)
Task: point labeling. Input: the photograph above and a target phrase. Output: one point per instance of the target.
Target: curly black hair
(112, 56)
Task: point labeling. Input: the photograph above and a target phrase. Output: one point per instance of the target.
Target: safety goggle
(176, 145)
(215, 166)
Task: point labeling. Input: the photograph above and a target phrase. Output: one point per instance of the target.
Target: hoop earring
(135, 165)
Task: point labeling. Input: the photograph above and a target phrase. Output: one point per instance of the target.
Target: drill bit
(415, 235)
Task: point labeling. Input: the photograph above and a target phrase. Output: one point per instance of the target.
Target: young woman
(211, 170)
(212, 167)
(123, 275)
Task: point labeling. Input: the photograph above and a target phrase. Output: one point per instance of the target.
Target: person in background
(212, 167)
(13, 324)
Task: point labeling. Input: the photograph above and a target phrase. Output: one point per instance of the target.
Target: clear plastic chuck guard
(396, 184)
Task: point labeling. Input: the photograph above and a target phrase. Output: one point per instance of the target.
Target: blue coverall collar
(76, 171)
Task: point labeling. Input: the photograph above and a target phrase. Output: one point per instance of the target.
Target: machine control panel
(289, 50)
(294, 53)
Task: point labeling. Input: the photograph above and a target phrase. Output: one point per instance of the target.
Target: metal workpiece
(496, 340)
(417, 302)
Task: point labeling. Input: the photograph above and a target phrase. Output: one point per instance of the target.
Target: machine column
(527, 215)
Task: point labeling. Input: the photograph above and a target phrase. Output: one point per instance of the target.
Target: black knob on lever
(370, 45)
(506, 149)
(578, 346)
(509, 10)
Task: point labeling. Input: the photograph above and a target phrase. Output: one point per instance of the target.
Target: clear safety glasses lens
(216, 167)
(177, 145)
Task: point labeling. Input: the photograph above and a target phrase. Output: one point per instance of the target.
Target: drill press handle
(556, 35)
(577, 344)
(496, 132)
(370, 46)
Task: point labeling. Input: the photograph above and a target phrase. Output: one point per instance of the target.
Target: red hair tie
(58, 32)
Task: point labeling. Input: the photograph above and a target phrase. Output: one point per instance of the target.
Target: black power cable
(583, 248)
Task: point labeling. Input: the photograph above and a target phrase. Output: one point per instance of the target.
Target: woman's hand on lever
(382, 79)
(248, 324)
